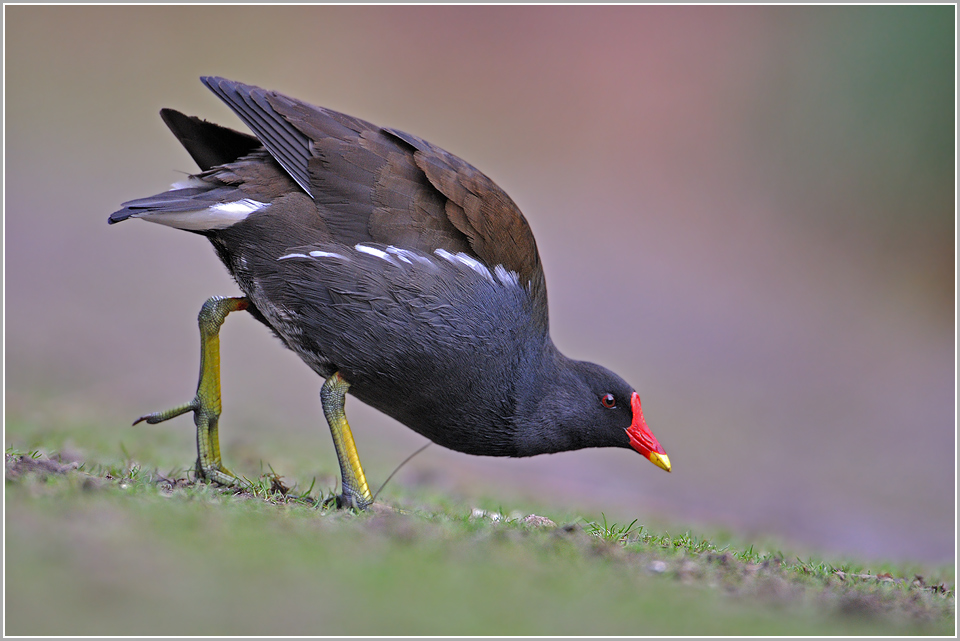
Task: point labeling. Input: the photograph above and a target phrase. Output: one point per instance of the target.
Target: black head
(579, 404)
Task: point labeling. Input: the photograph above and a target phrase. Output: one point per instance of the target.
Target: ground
(120, 550)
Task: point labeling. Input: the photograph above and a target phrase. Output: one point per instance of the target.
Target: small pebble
(537, 521)
(657, 567)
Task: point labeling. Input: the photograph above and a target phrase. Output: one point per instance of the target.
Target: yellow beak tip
(660, 460)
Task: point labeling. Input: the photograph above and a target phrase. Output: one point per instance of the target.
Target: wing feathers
(387, 186)
(289, 146)
(498, 232)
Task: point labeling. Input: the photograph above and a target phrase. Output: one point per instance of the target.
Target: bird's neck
(541, 407)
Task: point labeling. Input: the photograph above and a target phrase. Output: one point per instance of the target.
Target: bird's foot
(355, 495)
(208, 466)
(206, 404)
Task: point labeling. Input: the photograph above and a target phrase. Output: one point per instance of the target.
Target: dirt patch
(18, 466)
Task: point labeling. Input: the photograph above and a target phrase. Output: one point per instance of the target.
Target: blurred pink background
(748, 212)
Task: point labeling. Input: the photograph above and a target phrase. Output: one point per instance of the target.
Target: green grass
(114, 547)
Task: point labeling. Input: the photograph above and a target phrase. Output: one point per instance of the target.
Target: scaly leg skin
(206, 404)
(355, 493)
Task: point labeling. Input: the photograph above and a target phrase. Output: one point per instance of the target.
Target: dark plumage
(372, 253)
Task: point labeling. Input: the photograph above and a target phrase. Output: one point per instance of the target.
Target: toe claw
(158, 417)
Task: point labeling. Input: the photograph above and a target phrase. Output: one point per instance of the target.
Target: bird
(398, 272)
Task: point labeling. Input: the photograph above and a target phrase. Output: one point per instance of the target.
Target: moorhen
(397, 272)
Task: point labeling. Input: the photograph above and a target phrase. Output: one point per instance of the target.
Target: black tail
(207, 143)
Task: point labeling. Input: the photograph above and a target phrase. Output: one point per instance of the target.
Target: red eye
(608, 401)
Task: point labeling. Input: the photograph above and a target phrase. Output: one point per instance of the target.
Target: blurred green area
(858, 128)
(127, 557)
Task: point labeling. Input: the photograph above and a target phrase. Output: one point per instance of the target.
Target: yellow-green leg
(206, 404)
(355, 492)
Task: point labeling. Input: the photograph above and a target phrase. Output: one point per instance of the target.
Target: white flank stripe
(373, 251)
(407, 256)
(469, 261)
(505, 276)
(316, 253)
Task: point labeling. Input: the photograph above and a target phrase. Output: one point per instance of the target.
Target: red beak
(643, 440)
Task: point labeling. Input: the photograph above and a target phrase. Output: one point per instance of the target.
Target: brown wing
(497, 230)
(386, 186)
